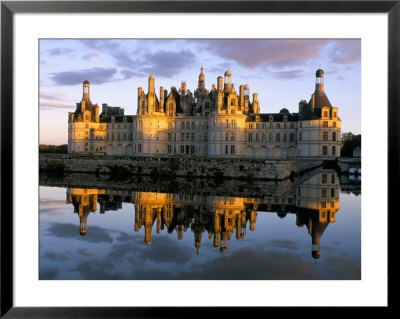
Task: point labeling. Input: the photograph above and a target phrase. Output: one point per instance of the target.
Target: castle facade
(219, 122)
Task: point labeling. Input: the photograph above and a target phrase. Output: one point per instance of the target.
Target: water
(305, 229)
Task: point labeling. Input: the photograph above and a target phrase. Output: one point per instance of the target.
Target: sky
(281, 71)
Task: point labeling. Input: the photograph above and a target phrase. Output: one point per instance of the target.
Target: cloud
(52, 203)
(56, 96)
(291, 74)
(46, 105)
(94, 75)
(86, 253)
(53, 100)
(48, 273)
(343, 268)
(94, 234)
(91, 56)
(276, 53)
(59, 51)
(168, 63)
(56, 257)
(345, 51)
(283, 243)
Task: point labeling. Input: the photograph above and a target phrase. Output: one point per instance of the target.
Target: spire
(201, 83)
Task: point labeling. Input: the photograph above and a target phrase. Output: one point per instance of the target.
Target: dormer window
(285, 118)
(271, 118)
(257, 118)
(334, 114)
(124, 119)
(113, 119)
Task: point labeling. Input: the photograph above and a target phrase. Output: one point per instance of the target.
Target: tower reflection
(315, 201)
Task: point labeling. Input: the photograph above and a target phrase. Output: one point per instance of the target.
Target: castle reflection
(315, 201)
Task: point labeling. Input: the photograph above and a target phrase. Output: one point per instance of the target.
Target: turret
(256, 107)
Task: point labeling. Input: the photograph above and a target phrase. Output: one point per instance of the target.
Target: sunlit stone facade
(219, 122)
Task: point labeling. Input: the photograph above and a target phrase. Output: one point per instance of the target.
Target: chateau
(220, 122)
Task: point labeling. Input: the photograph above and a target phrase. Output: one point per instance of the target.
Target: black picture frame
(9, 8)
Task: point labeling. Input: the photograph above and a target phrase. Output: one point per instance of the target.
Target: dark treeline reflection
(314, 199)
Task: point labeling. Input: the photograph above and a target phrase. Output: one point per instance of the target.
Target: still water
(173, 230)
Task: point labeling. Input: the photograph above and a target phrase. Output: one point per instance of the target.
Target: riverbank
(251, 169)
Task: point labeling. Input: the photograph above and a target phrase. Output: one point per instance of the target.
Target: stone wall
(177, 166)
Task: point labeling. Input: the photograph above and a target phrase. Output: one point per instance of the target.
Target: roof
(277, 117)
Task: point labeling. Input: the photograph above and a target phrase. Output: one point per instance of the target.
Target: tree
(349, 142)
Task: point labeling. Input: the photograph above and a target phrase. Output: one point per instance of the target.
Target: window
(334, 124)
(250, 126)
(182, 137)
(325, 123)
(271, 118)
(264, 137)
(182, 149)
(333, 150)
(182, 125)
(191, 149)
(301, 124)
(324, 178)
(324, 150)
(325, 113)
(270, 137)
(285, 118)
(169, 149)
(257, 138)
(192, 137)
(232, 149)
(124, 136)
(193, 125)
(284, 137)
(139, 148)
(207, 105)
(323, 192)
(300, 136)
(226, 136)
(324, 136)
(334, 114)
(170, 125)
(187, 137)
(227, 123)
(323, 204)
(278, 137)
(291, 137)
(278, 125)
(226, 149)
(332, 192)
(291, 125)
(232, 136)
(333, 136)
(169, 137)
(250, 137)
(332, 178)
